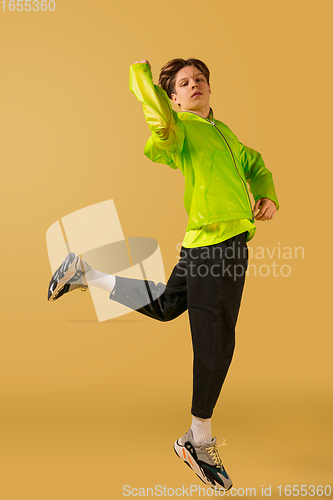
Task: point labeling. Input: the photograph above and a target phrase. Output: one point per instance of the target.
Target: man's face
(191, 90)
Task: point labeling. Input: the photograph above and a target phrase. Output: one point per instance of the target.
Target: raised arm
(167, 130)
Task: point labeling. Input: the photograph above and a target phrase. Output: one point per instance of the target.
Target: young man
(208, 279)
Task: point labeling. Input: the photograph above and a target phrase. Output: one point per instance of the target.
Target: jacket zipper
(243, 183)
(233, 159)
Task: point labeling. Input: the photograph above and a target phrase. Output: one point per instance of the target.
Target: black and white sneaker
(204, 460)
(69, 276)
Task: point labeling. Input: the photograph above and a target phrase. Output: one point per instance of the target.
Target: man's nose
(194, 84)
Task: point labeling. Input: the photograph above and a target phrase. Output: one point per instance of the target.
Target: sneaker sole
(180, 450)
(195, 467)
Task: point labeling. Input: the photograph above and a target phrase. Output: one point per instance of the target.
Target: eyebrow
(185, 78)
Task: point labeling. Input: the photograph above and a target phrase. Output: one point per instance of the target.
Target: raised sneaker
(69, 276)
(204, 460)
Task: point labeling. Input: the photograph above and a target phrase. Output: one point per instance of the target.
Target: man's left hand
(267, 209)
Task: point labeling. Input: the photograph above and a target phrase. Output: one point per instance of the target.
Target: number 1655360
(28, 5)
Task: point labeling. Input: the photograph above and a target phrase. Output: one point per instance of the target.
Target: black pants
(208, 281)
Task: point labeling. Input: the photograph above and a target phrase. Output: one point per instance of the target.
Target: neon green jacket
(216, 166)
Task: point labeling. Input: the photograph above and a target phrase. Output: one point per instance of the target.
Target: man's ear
(174, 98)
(210, 91)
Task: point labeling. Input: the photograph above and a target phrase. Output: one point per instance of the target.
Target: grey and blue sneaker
(204, 460)
(69, 276)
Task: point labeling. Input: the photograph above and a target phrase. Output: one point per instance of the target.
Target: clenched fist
(143, 61)
(267, 209)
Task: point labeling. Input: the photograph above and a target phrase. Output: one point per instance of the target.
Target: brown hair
(167, 78)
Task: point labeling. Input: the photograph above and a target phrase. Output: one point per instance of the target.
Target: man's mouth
(196, 93)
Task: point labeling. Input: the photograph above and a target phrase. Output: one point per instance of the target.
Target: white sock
(202, 429)
(101, 280)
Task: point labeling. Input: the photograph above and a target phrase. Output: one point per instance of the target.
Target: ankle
(201, 429)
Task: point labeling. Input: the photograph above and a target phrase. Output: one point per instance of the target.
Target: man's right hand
(143, 61)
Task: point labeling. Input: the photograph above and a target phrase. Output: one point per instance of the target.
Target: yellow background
(89, 407)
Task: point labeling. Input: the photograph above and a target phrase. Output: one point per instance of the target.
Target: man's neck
(204, 113)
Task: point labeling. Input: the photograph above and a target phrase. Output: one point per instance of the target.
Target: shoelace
(213, 452)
